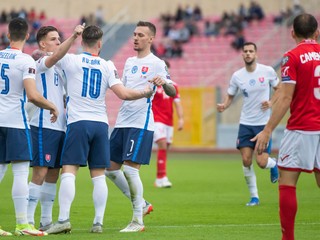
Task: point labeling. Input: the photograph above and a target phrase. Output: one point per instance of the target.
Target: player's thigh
(116, 146)
(299, 151)
(99, 154)
(18, 145)
(76, 144)
(159, 131)
(47, 146)
(138, 146)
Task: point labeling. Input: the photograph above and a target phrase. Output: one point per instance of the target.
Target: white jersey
(255, 88)
(136, 73)
(88, 78)
(50, 84)
(15, 68)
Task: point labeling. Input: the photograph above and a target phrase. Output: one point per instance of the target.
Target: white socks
(251, 180)
(271, 163)
(34, 195)
(100, 196)
(67, 192)
(47, 197)
(20, 190)
(119, 180)
(136, 191)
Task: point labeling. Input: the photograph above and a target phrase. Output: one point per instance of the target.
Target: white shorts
(162, 131)
(299, 152)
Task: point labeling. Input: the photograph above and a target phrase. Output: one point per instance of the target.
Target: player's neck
(142, 54)
(92, 51)
(251, 67)
(17, 45)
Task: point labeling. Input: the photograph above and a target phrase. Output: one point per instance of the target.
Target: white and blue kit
(133, 134)
(15, 136)
(88, 78)
(48, 137)
(255, 88)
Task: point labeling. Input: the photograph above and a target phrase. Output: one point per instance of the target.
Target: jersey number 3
(92, 80)
(316, 91)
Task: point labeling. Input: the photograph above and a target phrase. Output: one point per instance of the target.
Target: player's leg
(136, 156)
(161, 136)
(298, 152)
(100, 196)
(98, 161)
(38, 176)
(47, 197)
(74, 154)
(288, 202)
(264, 160)
(249, 175)
(245, 134)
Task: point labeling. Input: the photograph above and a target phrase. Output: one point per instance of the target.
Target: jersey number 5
(91, 80)
(5, 78)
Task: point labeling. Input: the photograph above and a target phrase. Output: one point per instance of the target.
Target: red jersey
(162, 106)
(301, 66)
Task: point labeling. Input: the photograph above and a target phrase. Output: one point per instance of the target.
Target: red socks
(288, 209)
(162, 163)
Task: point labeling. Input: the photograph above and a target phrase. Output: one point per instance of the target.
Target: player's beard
(249, 63)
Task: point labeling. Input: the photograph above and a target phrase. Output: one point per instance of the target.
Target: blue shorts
(15, 145)
(47, 145)
(246, 133)
(133, 144)
(86, 141)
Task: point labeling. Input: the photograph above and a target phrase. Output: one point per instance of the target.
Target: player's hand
(180, 124)
(54, 114)
(262, 141)
(221, 107)
(147, 92)
(78, 30)
(158, 81)
(265, 105)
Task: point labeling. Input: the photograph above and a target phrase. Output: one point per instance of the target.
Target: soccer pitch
(207, 201)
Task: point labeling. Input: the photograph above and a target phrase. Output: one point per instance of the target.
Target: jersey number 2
(91, 80)
(5, 78)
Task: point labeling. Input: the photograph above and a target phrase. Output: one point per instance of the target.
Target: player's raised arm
(64, 47)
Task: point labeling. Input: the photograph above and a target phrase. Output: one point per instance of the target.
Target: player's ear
(27, 36)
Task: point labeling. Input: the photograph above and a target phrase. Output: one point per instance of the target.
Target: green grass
(207, 201)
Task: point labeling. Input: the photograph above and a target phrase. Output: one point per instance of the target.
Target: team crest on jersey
(134, 69)
(261, 79)
(284, 60)
(144, 69)
(252, 82)
(48, 157)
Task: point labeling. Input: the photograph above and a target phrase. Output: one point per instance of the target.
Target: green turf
(207, 201)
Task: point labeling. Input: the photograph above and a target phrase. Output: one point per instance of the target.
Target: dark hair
(305, 25)
(18, 29)
(91, 35)
(43, 31)
(150, 25)
(250, 43)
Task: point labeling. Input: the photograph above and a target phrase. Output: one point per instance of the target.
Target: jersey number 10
(91, 80)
